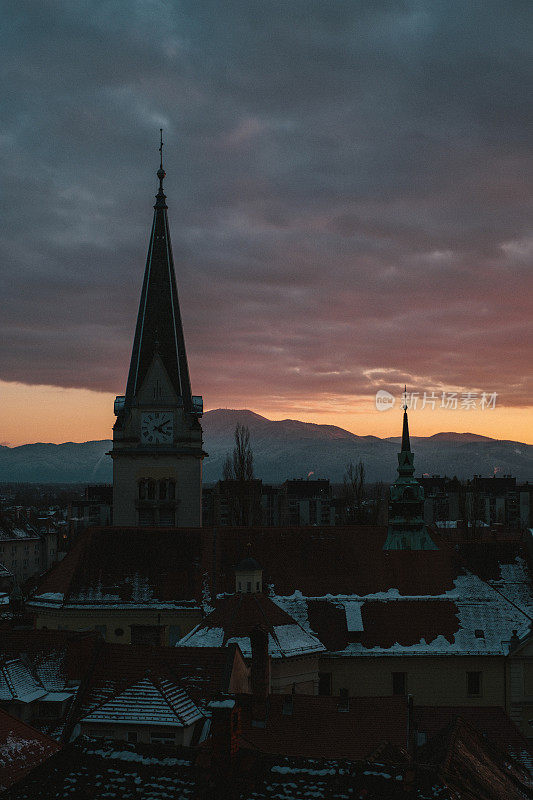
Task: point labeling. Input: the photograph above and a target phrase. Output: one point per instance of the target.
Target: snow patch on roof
(147, 703)
(203, 637)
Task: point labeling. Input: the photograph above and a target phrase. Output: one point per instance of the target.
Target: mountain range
(283, 449)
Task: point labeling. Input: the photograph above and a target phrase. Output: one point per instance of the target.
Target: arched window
(163, 489)
(151, 490)
(142, 490)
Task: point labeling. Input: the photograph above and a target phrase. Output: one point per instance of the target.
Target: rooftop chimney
(260, 675)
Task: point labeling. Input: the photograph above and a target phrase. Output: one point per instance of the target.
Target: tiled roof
(18, 683)
(490, 721)
(234, 618)
(327, 560)
(133, 566)
(473, 769)
(316, 728)
(336, 583)
(316, 561)
(55, 657)
(22, 748)
(465, 761)
(475, 616)
(149, 701)
(201, 672)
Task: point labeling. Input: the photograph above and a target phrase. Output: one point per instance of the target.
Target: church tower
(407, 530)
(157, 438)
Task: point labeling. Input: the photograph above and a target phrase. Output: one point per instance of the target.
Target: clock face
(157, 427)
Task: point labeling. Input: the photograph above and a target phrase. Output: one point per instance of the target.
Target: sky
(350, 190)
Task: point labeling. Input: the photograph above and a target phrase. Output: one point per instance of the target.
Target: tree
(354, 492)
(240, 465)
(240, 487)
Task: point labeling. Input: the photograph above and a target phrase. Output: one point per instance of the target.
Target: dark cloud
(349, 187)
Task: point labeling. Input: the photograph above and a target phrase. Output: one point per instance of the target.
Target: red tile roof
(316, 728)
(22, 748)
(407, 622)
(236, 617)
(328, 560)
(134, 564)
(202, 671)
(473, 769)
(317, 561)
(491, 721)
(73, 650)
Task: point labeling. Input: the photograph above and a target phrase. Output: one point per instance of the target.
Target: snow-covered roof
(234, 618)
(147, 702)
(474, 617)
(22, 748)
(15, 534)
(18, 683)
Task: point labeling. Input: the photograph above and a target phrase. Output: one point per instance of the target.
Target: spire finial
(406, 445)
(161, 172)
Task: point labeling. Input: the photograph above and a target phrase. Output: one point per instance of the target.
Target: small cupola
(248, 575)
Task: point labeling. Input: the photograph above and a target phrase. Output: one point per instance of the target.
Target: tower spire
(407, 530)
(161, 174)
(406, 444)
(159, 327)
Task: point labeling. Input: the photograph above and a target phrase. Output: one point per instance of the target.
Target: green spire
(407, 530)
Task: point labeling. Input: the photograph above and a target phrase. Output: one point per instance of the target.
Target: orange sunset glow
(53, 414)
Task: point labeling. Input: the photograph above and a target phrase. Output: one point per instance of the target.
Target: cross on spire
(161, 172)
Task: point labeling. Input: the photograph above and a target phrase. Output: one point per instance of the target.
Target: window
(163, 737)
(119, 631)
(132, 737)
(171, 490)
(142, 490)
(147, 634)
(473, 683)
(249, 586)
(151, 490)
(162, 490)
(399, 683)
(288, 705)
(479, 634)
